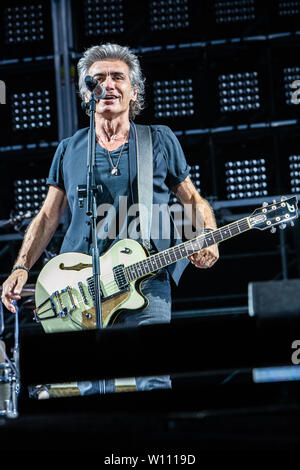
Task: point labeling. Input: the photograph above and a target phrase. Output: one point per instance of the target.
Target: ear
(133, 95)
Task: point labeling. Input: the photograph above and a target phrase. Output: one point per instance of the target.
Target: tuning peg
(274, 201)
(283, 198)
(282, 226)
(292, 223)
(273, 230)
(265, 204)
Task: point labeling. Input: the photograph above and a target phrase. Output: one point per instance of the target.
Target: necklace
(114, 168)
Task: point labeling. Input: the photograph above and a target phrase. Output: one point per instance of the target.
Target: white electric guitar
(64, 293)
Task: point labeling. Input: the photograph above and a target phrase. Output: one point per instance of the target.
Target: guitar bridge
(57, 306)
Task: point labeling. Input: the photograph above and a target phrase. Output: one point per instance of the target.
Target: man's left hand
(205, 258)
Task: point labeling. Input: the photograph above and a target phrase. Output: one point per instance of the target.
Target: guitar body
(62, 289)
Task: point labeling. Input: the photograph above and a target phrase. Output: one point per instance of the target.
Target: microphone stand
(89, 192)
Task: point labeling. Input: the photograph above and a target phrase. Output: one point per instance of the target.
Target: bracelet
(19, 267)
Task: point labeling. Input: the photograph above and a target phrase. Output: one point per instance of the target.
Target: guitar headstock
(278, 213)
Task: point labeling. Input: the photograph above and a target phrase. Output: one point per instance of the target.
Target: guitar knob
(273, 230)
(282, 226)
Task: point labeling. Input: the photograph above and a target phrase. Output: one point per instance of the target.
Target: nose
(108, 83)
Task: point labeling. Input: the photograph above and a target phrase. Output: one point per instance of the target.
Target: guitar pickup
(120, 277)
(82, 293)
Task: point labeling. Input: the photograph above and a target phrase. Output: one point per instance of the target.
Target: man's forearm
(37, 237)
(208, 217)
(196, 208)
(202, 215)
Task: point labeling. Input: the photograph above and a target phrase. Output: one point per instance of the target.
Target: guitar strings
(241, 224)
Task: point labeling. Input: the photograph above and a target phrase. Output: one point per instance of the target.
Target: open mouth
(110, 98)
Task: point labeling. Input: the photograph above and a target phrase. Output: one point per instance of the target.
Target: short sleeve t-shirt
(169, 169)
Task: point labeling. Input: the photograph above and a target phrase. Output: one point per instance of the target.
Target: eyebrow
(101, 74)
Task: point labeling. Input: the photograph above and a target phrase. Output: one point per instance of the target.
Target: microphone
(93, 85)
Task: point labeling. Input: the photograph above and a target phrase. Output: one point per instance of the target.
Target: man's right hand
(12, 288)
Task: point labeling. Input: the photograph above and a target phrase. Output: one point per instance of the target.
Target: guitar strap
(144, 157)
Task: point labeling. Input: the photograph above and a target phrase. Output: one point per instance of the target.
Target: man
(119, 72)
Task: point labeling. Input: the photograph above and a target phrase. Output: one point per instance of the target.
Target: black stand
(89, 192)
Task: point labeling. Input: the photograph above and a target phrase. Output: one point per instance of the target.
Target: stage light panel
(26, 30)
(169, 14)
(30, 113)
(29, 195)
(24, 23)
(246, 178)
(239, 92)
(173, 98)
(237, 83)
(31, 110)
(235, 18)
(288, 8)
(103, 17)
(283, 15)
(176, 95)
(245, 166)
(234, 11)
(294, 173)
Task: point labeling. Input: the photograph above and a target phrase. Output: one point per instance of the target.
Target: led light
(246, 178)
(234, 11)
(103, 17)
(173, 98)
(288, 8)
(31, 110)
(169, 14)
(238, 92)
(294, 167)
(29, 195)
(23, 24)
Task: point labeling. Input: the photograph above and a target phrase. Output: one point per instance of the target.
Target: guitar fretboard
(185, 249)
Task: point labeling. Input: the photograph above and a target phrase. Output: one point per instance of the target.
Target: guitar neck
(185, 249)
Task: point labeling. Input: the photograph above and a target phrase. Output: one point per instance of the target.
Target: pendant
(114, 172)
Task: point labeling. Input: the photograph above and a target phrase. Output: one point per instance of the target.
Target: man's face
(113, 75)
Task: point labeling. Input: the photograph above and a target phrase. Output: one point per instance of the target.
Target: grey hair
(115, 52)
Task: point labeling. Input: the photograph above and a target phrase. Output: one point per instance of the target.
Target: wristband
(19, 267)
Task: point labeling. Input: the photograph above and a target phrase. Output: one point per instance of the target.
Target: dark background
(201, 43)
